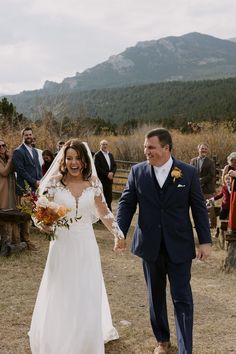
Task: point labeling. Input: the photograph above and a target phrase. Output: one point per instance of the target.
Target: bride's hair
(82, 152)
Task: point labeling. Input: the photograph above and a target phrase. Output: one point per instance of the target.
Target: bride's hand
(120, 245)
(48, 229)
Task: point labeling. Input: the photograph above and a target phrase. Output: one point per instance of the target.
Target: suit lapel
(28, 154)
(170, 185)
(152, 184)
(204, 163)
(104, 160)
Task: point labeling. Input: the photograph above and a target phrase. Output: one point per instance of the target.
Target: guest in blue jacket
(28, 169)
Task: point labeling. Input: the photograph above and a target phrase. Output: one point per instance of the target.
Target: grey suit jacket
(206, 174)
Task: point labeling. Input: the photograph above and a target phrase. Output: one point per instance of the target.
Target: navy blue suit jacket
(164, 212)
(27, 168)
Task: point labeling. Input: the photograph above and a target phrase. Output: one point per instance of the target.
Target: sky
(53, 39)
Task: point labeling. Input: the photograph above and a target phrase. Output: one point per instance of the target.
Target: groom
(165, 189)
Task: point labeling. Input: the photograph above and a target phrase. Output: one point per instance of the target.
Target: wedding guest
(225, 195)
(7, 192)
(28, 169)
(72, 313)
(231, 160)
(48, 158)
(7, 178)
(106, 169)
(206, 171)
(164, 189)
(60, 144)
(231, 170)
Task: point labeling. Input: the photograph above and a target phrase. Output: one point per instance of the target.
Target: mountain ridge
(192, 56)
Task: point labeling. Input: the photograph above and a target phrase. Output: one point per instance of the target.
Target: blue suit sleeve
(18, 161)
(127, 204)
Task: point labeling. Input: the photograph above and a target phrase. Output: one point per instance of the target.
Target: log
(13, 216)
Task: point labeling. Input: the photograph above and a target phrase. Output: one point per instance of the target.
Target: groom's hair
(163, 135)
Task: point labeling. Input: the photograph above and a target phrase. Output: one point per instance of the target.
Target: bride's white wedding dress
(72, 314)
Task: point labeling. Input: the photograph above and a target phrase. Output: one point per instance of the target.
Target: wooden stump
(230, 260)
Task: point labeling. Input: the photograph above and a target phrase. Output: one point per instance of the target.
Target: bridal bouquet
(46, 214)
(50, 213)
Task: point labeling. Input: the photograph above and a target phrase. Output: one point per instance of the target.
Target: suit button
(159, 226)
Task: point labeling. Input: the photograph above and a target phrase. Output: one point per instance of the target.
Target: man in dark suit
(106, 168)
(28, 169)
(165, 189)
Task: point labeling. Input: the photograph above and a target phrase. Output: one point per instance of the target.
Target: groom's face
(156, 154)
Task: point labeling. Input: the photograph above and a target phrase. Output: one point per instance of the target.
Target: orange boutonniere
(176, 173)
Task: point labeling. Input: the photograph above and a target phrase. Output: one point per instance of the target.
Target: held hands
(203, 251)
(120, 245)
(46, 228)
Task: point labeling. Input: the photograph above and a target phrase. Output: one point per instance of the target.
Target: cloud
(53, 39)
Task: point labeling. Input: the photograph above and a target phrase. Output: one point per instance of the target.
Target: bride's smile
(74, 163)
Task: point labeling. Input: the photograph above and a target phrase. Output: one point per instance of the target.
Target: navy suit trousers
(179, 276)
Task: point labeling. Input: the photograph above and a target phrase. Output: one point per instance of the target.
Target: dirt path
(214, 294)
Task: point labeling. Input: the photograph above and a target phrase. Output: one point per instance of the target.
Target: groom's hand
(120, 245)
(204, 251)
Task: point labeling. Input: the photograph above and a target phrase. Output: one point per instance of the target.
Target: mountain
(232, 39)
(193, 56)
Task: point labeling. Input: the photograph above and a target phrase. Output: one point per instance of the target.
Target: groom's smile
(155, 153)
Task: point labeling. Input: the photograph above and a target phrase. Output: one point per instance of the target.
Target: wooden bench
(10, 221)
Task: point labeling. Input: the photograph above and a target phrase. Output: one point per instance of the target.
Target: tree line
(121, 110)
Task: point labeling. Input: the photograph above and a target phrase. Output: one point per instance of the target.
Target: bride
(72, 314)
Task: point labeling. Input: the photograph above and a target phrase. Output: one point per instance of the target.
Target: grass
(213, 291)
(220, 138)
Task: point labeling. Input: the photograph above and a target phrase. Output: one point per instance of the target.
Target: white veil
(53, 170)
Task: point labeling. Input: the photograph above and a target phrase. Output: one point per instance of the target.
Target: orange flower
(46, 215)
(62, 210)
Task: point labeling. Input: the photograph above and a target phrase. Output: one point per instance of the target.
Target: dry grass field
(213, 290)
(220, 138)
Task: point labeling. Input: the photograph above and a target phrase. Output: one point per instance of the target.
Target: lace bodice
(88, 207)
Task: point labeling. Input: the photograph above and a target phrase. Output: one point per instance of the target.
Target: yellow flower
(176, 173)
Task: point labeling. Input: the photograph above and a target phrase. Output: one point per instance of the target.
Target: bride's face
(74, 164)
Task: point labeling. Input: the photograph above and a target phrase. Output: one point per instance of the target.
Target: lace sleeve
(104, 212)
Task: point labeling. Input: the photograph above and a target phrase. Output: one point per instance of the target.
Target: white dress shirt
(161, 172)
(30, 149)
(107, 157)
